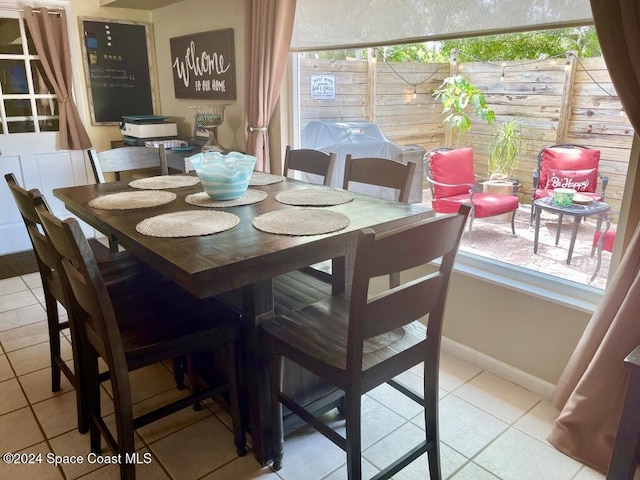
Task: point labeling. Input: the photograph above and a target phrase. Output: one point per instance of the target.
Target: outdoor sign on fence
(323, 87)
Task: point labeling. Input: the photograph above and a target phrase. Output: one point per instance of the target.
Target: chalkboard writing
(116, 58)
(204, 65)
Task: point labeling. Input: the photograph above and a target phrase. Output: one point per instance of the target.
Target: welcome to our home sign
(203, 65)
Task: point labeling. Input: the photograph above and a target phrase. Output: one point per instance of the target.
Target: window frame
(29, 60)
(580, 297)
(584, 298)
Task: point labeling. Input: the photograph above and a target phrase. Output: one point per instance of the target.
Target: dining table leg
(257, 305)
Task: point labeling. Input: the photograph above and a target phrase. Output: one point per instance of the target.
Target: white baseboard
(498, 368)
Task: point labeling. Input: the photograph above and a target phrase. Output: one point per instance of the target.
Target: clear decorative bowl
(224, 177)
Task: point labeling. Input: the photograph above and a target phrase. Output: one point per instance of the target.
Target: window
(530, 91)
(27, 103)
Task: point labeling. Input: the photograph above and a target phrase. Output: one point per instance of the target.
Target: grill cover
(360, 139)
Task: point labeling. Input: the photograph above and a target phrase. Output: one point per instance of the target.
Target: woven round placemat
(202, 199)
(260, 179)
(187, 224)
(301, 221)
(164, 181)
(130, 200)
(315, 197)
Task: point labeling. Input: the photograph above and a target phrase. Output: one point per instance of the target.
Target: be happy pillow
(580, 180)
(568, 160)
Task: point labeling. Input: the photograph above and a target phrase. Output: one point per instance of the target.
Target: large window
(558, 97)
(27, 103)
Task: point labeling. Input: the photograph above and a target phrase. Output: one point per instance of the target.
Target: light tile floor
(490, 429)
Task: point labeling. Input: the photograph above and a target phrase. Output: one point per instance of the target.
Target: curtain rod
(52, 11)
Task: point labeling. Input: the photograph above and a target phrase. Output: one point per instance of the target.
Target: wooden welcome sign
(203, 65)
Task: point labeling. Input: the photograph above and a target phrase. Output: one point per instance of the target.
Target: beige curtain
(51, 39)
(591, 389)
(268, 27)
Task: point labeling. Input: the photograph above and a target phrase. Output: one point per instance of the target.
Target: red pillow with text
(580, 180)
(454, 167)
(572, 159)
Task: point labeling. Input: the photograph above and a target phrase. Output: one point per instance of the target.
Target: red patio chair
(567, 165)
(602, 240)
(453, 182)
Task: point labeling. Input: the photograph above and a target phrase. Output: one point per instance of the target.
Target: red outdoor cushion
(580, 180)
(454, 167)
(607, 242)
(486, 204)
(560, 158)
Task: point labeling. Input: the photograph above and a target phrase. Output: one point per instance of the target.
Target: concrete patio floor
(492, 238)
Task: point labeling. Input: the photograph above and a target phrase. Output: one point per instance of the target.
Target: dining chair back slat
(310, 161)
(382, 315)
(381, 172)
(125, 159)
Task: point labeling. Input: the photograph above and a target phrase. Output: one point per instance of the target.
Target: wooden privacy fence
(556, 103)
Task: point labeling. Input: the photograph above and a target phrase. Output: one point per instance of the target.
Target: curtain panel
(268, 27)
(591, 390)
(51, 39)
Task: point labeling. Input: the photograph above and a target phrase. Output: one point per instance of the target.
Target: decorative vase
(209, 118)
(224, 177)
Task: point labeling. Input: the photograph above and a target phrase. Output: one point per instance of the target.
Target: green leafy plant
(504, 150)
(456, 95)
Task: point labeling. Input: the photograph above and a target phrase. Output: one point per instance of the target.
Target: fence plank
(530, 92)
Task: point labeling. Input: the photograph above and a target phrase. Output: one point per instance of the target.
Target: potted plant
(456, 94)
(505, 147)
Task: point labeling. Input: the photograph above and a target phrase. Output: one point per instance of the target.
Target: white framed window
(27, 101)
(546, 283)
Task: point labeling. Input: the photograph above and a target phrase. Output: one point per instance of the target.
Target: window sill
(574, 295)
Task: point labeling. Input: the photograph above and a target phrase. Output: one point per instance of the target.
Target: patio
(492, 238)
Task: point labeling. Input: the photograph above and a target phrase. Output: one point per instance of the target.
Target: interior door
(28, 128)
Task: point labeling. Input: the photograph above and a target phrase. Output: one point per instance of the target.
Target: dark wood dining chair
(322, 164)
(125, 159)
(310, 161)
(361, 342)
(625, 457)
(151, 326)
(381, 172)
(119, 270)
(151, 160)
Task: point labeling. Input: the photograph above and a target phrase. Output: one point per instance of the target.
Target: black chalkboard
(117, 68)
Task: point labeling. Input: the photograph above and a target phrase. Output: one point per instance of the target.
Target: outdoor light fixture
(415, 93)
(502, 76)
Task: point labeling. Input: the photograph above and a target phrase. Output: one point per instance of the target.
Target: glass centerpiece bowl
(224, 177)
(209, 117)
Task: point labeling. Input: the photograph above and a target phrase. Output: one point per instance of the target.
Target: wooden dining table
(242, 259)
